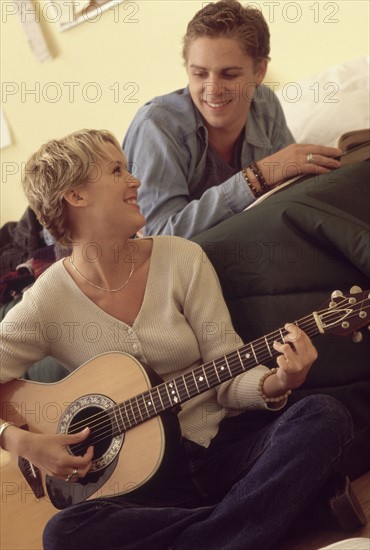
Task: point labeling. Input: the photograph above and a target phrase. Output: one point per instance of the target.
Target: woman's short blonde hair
(60, 165)
(229, 19)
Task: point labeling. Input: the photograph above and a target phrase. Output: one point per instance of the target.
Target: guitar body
(128, 437)
(121, 462)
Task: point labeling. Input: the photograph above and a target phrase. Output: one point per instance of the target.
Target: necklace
(100, 287)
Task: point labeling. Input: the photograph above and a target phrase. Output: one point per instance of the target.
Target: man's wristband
(254, 168)
(256, 192)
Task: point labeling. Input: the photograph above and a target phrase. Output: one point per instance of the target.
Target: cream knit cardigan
(183, 321)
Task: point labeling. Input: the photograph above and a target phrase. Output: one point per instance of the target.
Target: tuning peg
(355, 290)
(357, 336)
(336, 294)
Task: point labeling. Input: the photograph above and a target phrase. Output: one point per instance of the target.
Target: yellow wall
(104, 70)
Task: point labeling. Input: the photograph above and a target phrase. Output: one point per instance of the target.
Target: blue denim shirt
(183, 191)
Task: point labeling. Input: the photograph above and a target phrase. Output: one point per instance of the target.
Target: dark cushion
(281, 259)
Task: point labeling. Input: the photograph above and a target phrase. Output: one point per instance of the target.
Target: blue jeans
(243, 492)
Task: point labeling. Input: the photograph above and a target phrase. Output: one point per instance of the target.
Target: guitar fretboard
(169, 394)
(341, 316)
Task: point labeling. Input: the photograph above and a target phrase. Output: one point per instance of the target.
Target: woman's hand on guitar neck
(49, 452)
(297, 356)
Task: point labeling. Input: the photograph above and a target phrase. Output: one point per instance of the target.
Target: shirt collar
(198, 117)
(255, 133)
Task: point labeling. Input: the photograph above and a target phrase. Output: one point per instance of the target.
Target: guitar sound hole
(100, 431)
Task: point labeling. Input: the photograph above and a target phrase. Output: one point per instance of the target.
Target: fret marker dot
(149, 403)
(201, 378)
(222, 368)
(247, 355)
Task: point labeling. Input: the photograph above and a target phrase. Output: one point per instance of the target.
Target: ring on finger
(73, 474)
(309, 158)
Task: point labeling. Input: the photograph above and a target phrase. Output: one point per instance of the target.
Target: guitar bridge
(31, 473)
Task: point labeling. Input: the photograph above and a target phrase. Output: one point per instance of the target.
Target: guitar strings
(231, 364)
(200, 368)
(259, 346)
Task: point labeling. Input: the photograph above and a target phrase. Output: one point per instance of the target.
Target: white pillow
(321, 108)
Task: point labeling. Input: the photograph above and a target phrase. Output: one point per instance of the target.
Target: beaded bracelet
(256, 192)
(258, 174)
(3, 427)
(265, 397)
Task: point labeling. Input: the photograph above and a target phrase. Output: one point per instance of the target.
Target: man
(201, 144)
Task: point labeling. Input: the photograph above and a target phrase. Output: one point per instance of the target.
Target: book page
(352, 139)
(274, 190)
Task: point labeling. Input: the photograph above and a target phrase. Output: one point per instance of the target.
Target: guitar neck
(172, 393)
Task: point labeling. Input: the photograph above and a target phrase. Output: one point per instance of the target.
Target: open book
(355, 146)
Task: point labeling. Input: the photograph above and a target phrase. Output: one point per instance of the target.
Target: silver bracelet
(3, 427)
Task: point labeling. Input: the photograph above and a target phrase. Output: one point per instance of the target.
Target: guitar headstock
(343, 314)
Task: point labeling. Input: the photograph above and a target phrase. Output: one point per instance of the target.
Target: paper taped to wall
(5, 138)
(32, 28)
(72, 13)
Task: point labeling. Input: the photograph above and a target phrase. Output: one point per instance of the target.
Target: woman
(150, 298)
(212, 148)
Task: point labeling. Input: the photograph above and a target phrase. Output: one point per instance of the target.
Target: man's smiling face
(222, 81)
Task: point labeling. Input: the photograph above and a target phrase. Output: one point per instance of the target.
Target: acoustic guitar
(114, 395)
